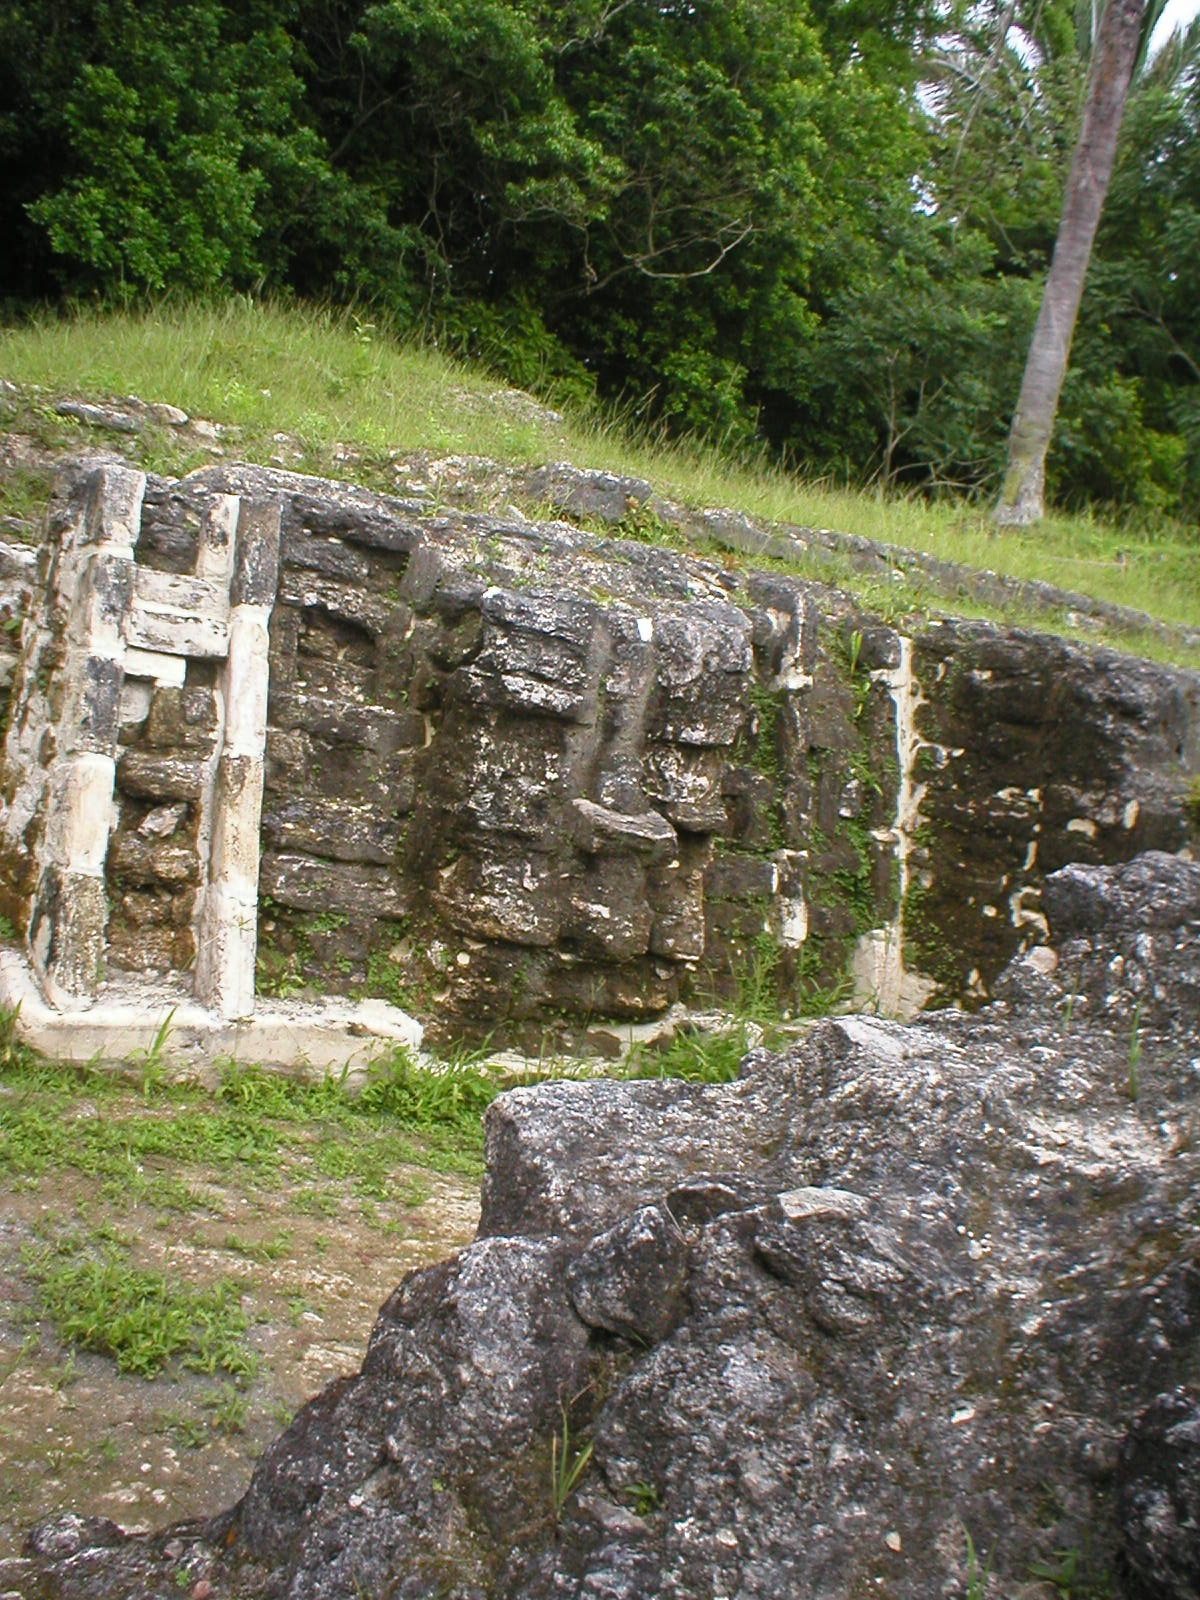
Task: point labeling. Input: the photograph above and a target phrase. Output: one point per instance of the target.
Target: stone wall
(524, 776)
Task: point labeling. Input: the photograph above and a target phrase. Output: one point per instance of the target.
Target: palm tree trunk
(1022, 492)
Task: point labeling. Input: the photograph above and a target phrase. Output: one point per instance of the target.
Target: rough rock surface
(520, 775)
(902, 1289)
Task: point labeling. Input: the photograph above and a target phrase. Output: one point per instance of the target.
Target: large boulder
(906, 1310)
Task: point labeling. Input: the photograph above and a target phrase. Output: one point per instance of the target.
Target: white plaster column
(227, 927)
(94, 588)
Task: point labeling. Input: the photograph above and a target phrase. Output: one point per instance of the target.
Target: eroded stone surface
(518, 776)
(899, 1286)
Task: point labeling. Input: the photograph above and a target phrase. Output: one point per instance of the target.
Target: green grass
(330, 381)
(97, 1300)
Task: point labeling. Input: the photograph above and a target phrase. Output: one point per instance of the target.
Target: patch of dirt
(313, 1264)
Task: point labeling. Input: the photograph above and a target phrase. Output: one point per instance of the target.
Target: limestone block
(597, 829)
(704, 664)
(245, 680)
(376, 728)
(102, 604)
(256, 563)
(360, 890)
(91, 706)
(587, 493)
(346, 601)
(113, 514)
(66, 934)
(507, 781)
(509, 897)
(78, 814)
(334, 829)
(225, 951)
(184, 616)
(536, 655)
(749, 796)
(675, 892)
(237, 805)
(330, 557)
(143, 861)
(215, 545)
(133, 706)
(157, 666)
(182, 720)
(607, 913)
(734, 876)
(685, 785)
(152, 776)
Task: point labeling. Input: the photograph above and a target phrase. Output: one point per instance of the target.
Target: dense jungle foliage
(818, 226)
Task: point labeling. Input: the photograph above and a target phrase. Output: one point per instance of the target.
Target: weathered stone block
(153, 776)
(597, 830)
(66, 934)
(256, 554)
(345, 601)
(513, 898)
(734, 876)
(136, 860)
(686, 786)
(181, 719)
(91, 714)
(606, 912)
(356, 889)
(331, 828)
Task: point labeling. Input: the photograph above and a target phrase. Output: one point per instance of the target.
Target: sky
(1176, 12)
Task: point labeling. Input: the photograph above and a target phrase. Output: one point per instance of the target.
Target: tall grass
(331, 378)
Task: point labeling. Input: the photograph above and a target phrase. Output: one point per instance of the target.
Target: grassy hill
(350, 401)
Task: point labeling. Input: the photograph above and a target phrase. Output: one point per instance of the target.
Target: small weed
(187, 1431)
(643, 1499)
(854, 649)
(151, 1063)
(412, 1193)
(977, 1576)
(228, 1407)
(260, 1250)
(694, 1057)
(1135, 1054)
(299, 1306)
(568, 1463)
(13, 1054)
(315, 1202)
(1070, 1573)
(139, 1317)
(455, 1098)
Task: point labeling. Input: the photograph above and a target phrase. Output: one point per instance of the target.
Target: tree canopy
(817, 227)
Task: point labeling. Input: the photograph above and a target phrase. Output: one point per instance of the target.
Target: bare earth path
(314, 1238)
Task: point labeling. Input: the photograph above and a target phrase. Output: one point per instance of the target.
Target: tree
(1022, 492)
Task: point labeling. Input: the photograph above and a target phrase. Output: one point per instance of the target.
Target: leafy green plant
(643, 1498)
(1073, 1575)
(228, 1408)
(151, 1063)
(977, 1576)
(455, 1097)
(695, 1057)
(568, 1463)
(1135, 1054)
(139, 1317)
(13, 1053)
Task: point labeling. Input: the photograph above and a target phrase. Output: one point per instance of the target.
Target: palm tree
(1122, 35)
